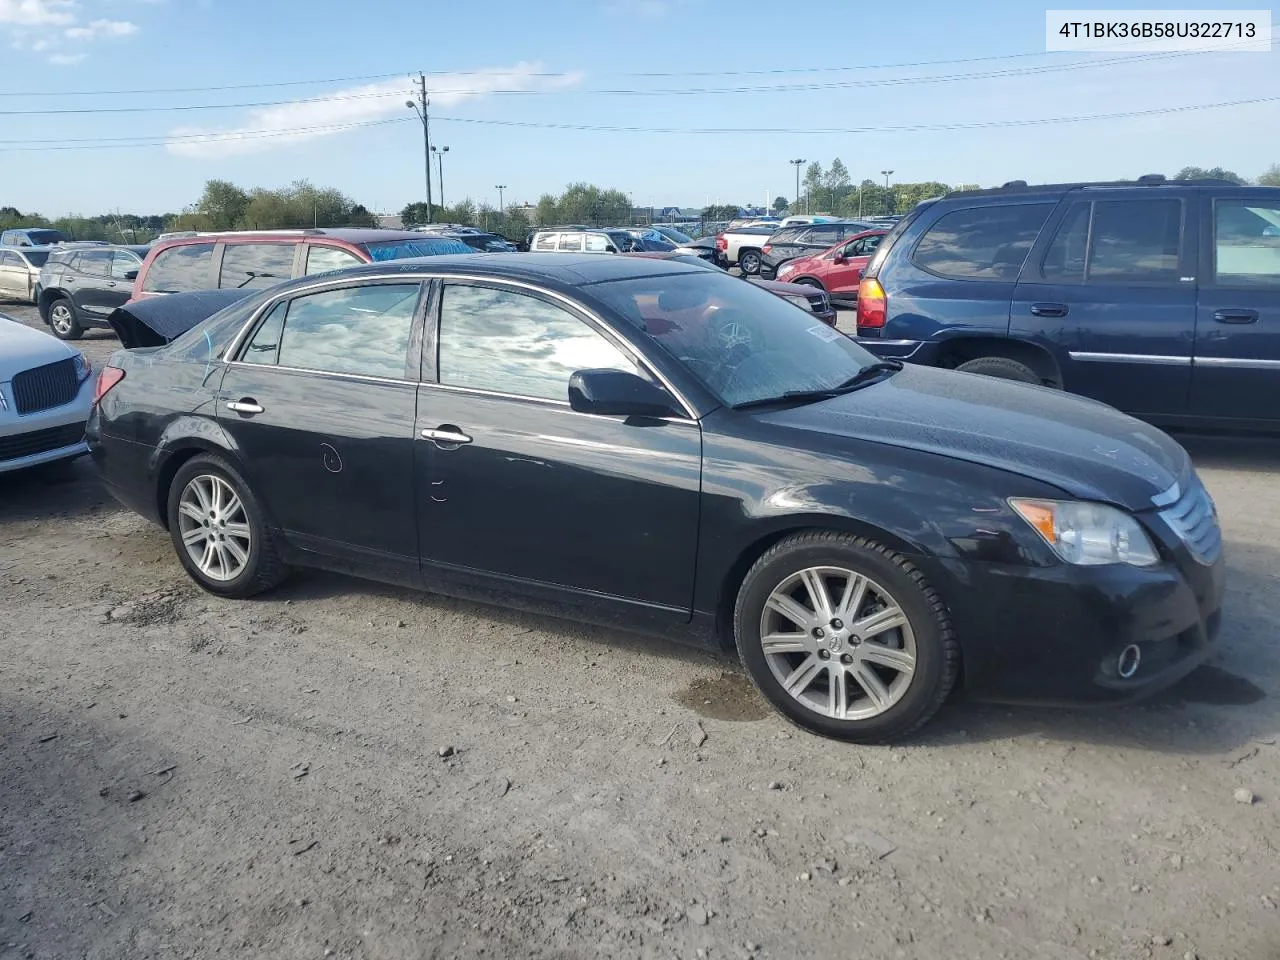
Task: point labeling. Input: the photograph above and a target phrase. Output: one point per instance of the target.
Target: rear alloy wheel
(1002, 368)
(218, 530)
(845, 637)
(749, 263)
(63, 320)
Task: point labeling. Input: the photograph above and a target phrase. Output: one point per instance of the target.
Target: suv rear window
(981, 243)
(256, 265)
(180, 269)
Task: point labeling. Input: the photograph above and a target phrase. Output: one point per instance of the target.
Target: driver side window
(507, 342)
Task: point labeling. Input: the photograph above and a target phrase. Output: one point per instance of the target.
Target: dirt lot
(341, 769)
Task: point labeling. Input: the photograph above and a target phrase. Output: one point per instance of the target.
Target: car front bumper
(1054, 634)
(43, 436)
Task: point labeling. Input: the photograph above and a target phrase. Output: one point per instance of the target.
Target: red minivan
(838, 269)
(264, 258)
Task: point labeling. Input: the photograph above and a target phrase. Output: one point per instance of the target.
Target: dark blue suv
(1161, 298)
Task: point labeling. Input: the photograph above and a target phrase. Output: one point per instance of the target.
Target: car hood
(23, 347)
(1082, 447)
(784, 289)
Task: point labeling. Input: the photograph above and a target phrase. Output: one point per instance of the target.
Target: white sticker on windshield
(823, 332)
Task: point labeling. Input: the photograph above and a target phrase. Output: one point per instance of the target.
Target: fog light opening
(1128, 661)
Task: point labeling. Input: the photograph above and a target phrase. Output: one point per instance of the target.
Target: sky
(131, 105)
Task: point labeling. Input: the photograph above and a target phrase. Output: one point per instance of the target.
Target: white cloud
(266, 128)
(37, 13)
(102, 28)
(66, 59)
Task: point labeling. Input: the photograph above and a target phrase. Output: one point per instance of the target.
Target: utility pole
(796, 164)
(419, 107)
(500, 187)
(886, 189)
(440, 152)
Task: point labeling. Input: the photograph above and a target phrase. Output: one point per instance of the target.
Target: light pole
(886, 174)
(420, 108)
(500, 187)
(796, 164)
(440, 152)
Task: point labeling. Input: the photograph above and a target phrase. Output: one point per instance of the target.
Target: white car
(20, 271)
(45, 394)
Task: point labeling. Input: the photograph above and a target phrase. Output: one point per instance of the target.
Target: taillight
(766, 248)
(107, 378)
(872, 303)
(722, 243)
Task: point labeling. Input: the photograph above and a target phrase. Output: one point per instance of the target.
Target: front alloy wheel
(845, 637)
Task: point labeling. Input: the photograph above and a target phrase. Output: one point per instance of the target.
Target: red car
(836, 270)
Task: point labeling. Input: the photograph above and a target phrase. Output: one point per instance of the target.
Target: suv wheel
(63, 320)
(845, 637)
(1003, 368)
(749, 262)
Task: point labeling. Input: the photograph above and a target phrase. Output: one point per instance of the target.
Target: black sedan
(660, 446)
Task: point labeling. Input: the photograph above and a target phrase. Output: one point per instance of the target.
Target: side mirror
(617, 393)
(841, 258)
(131, 274)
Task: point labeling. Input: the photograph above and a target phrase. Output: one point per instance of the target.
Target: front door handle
(111, 283)
(446, 436)
(1048, 309)
(245, 405)
(1236, 316)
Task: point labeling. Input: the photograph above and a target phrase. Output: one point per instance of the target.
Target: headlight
(1088, 534)
(800, 302)
(786, 268)
(83, 368)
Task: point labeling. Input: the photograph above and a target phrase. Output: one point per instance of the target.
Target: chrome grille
(818, 302)
(1193, 517)
(43, 387)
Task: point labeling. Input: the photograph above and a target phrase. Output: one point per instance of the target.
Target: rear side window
(322, 259)
(597, 243)
(1247, 242)
(95, 264)
(360, 330)
(981, 243)
(8, 259)
(823, 236)
(545, 242)
(1117, 241)
(256, 265)
(571, 241)
(181, 268)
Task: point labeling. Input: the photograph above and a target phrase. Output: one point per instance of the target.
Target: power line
(120, 142)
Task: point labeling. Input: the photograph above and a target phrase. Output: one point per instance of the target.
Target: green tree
(721, 211)
(1214, 173)
(1271, 177)
(811, 185)
(780, 204)
(223, 204)
(835, 185)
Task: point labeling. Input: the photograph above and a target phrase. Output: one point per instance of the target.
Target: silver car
(20, 270)
(45, 395)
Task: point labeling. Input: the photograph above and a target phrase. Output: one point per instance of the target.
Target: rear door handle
(446, 436)
(1236, 316)
(1048, 309)
(245, 405)
(111, 283)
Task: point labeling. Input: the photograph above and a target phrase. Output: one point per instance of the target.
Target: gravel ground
(342, 769)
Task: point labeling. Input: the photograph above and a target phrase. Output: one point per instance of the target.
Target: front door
(13, 276)
(1110, 287)
(1237, 348)
(319, 405)
(848, 262)
(518, 487)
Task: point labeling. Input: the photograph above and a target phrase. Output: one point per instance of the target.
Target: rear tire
(869, 661)
(63, 319)
(749, 262)
(220, 531)
(1002, 368)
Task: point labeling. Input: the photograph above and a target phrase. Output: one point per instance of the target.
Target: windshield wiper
(860, 379)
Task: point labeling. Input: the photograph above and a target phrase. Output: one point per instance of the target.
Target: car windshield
(404, 249)
(37, 257)
(744, 343)
(674, 235)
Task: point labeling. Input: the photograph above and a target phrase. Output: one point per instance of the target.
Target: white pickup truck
(742, 246)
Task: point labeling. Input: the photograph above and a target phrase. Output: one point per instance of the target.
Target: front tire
(219, 530)
(64, 321)
(809, 282)
(845, 637)
(749, 262)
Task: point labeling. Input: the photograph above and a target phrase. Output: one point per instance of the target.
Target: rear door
(1110, 290)
(320, 405)
(848, 263)
(1237, 338)
(92, 274)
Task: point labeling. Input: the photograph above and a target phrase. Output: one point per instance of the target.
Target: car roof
(1152, 181)
(565, 269)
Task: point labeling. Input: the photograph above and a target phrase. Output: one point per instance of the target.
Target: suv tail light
(107, 378)
(766, 248)
(872, 304)
(722, 243)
